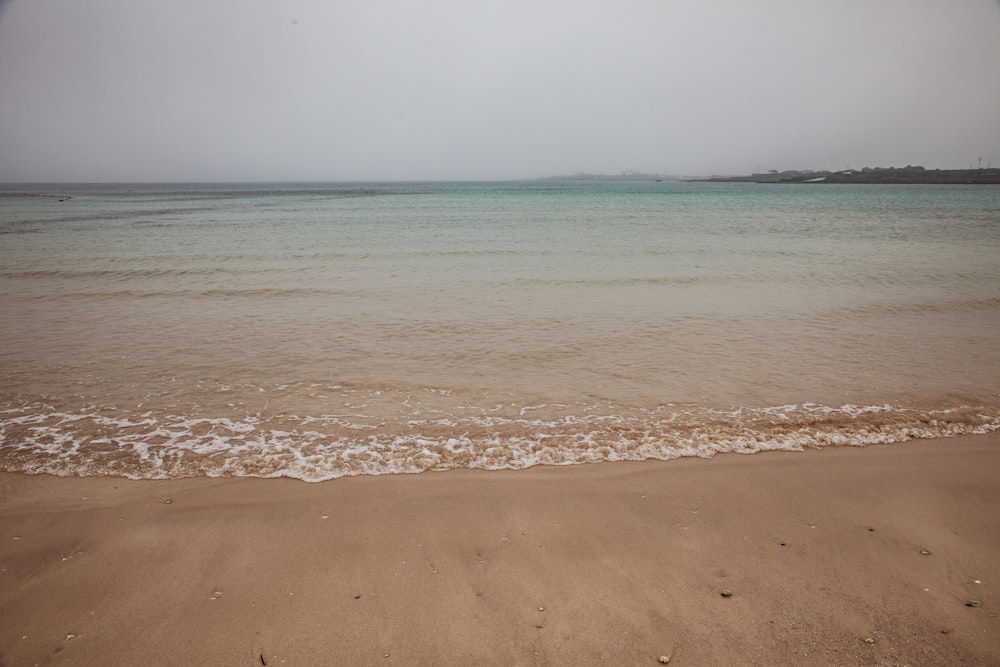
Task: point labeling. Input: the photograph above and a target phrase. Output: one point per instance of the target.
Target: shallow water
(317, 330)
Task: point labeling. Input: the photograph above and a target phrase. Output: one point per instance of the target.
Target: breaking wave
(37, 439)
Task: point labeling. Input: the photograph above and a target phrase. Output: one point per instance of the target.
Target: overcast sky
(186, 90)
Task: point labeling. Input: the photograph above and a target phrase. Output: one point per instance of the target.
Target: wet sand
(876, 556)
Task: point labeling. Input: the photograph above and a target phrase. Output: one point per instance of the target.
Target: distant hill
(874, 175)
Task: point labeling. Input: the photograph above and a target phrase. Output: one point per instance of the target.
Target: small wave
(38, 439)
(247, 293)
(28, 230)
(120, 274)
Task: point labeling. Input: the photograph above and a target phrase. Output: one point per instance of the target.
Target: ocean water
(322, 330)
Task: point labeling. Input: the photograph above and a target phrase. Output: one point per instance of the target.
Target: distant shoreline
(624, 176)
(875, 176)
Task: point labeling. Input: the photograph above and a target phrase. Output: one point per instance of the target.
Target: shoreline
(822, 552)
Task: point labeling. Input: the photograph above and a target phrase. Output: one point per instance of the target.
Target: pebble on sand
(664, 659)
(726, 593)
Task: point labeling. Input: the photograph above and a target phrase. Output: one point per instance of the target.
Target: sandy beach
(886, 555)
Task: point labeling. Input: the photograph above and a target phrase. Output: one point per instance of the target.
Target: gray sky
(185, 90)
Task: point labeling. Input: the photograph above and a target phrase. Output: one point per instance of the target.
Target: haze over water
(317, 330)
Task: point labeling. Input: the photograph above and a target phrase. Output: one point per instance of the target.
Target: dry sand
(834, 557)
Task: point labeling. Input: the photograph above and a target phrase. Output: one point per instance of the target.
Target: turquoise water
(316, 330)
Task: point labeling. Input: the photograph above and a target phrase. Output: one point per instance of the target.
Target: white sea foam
(320, 448)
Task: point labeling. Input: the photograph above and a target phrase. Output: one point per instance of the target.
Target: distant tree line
(909, 174)
(914, 174)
